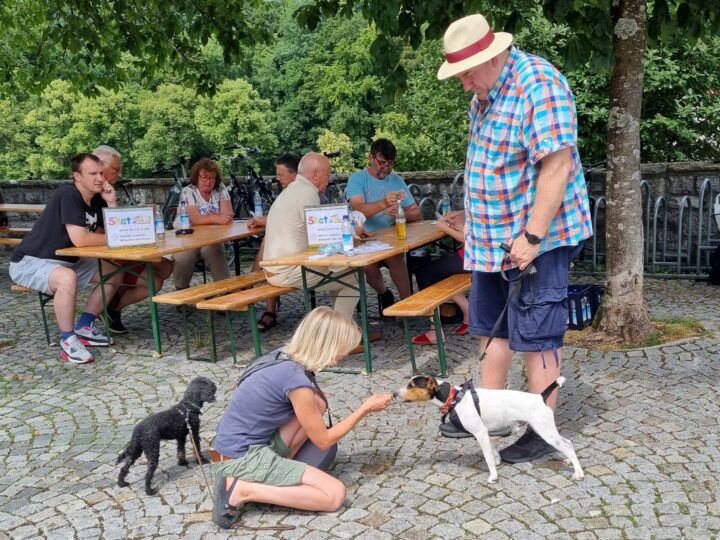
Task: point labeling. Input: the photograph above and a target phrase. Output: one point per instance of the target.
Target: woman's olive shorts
(264, 464)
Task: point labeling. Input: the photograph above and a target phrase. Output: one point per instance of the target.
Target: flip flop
(224, 513)
(264, 326)
(461, 330)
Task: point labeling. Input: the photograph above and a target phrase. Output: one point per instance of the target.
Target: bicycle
(336, 190)
(242, 194)
(121, 185)
(178, 171)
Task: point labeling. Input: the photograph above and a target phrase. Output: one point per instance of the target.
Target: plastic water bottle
(445, 204)
(159, 224)
(401, 222)
(184, 218)
(347, 236)
(258, 204)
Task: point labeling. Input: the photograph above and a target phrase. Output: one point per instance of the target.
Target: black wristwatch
(532, 239)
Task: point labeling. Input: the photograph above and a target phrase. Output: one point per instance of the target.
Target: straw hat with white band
(469, 42)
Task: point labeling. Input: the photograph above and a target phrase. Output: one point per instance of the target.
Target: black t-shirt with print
(66, 207)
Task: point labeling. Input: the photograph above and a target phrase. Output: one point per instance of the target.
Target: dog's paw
(492, 479)
(183, 463)
(578, 475)
(123, 483)
(151, 491)
(203, 459)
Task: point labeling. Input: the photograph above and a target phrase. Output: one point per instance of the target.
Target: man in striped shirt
(524, 186)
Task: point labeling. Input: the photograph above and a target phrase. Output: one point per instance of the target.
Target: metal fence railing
(679, 232)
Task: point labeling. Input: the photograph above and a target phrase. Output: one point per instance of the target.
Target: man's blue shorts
(536, 318)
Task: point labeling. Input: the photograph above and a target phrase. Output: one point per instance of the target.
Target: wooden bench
(5, 241)
(191, 296)
(244, 301)
(425, 303)
(44, 299)
(15, 232)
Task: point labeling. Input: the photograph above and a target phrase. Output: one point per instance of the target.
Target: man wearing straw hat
(525, 187)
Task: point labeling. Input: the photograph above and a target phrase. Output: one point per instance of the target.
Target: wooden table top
(419, 233)
(204, 235)
(29, 208)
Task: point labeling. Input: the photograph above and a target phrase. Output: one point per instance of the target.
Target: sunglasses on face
(384, 163)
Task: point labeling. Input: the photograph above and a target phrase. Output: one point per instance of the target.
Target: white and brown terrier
(482, 410)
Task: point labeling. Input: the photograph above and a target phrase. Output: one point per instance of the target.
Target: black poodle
(168, 425)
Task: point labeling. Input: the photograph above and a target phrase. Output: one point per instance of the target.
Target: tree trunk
(625, 314)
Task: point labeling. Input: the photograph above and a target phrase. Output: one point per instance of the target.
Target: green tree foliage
(305, 82)
(101, 43)
(318, 80)
(167, 120)
(330, 142)
(149, 128)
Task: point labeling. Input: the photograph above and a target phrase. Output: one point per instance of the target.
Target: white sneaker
(72, 350)
(92, 337)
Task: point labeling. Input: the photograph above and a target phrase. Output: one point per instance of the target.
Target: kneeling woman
(274, 412)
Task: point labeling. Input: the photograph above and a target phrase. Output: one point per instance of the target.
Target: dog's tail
(557, 383)
(122, 455)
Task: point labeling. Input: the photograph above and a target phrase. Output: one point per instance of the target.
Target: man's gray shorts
(34, 273)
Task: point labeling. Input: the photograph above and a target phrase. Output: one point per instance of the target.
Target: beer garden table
(204, 235)
(419, 234)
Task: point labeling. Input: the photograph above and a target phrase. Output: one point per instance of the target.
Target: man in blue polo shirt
(375, 191)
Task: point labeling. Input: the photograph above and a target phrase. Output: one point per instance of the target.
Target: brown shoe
(372, 336)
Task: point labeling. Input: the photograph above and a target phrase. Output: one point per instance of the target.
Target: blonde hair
(322, 336)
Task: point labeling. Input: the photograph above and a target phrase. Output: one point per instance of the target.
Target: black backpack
(715, 267)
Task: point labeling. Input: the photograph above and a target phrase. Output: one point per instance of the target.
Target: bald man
(286, 232)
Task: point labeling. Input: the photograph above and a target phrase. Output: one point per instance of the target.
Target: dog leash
(198, 457)
(514, 286)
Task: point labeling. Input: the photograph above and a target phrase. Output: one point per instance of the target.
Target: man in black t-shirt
(72, 217)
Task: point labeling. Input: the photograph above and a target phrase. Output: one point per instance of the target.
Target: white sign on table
(324, 223)
(129, 226)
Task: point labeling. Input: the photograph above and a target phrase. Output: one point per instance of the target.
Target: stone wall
(671, 180)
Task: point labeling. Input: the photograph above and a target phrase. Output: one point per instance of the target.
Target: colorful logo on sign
(135, 220)
(324, 220)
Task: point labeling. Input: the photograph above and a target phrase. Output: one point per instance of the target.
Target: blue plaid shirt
(529, 114)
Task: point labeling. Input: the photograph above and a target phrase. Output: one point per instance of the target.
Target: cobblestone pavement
(644, 425)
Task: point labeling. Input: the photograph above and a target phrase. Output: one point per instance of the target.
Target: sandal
(263, 324)
(461, 330)
(224, 513)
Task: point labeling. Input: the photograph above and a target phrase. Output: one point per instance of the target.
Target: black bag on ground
(715, 267)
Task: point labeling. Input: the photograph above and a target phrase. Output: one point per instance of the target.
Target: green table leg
(252, 321)
(440, 344)
(186, 332)
(306, 294)
(364, 319)
(233, 350)
(150, 272)
(211, 331)
(106, 319)
(411, 349)
(44, 299)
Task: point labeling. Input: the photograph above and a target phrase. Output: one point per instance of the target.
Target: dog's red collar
(447, 406)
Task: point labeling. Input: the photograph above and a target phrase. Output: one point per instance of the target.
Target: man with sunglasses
(375, 191)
